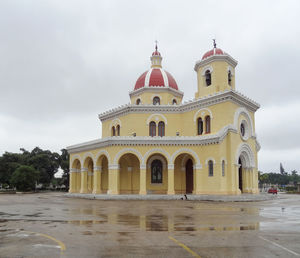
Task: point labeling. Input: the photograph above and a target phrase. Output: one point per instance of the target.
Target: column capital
(143, 166)
(84, 170)
(171, 166)
(98, 168)
(198, 166)
(73, 170)
(112, 167)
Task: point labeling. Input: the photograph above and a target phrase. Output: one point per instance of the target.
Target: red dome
(155, 53)
(156, 77)
(214, 51)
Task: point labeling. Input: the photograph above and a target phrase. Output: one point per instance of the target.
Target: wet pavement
(52, 225)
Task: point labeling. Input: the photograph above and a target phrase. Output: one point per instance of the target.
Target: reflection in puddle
(163, 223)
(204, 217)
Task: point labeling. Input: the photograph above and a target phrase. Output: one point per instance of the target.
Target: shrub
(24, 178)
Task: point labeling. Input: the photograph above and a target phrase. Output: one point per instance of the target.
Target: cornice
(213, 58)
(229, 95)
(156, 89)
(152, 141)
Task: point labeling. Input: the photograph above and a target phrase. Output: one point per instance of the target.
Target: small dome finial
(156, 45)
(215, 44)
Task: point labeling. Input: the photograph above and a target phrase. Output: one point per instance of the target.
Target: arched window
(223, 167)
(207, 124)
(138, 101)
(210, 168)
(161, 129)
(208, 78)
(156, 101)
(118, 130)
(113, 131)
(156, 172)
(229, 77)
(174, 102)
(200, 126)
(152, 129)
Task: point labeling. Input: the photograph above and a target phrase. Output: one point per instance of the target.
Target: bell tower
(215, 72)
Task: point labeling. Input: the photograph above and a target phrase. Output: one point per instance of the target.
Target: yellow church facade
(159, 145)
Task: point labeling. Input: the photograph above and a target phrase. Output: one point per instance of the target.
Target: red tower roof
(213, 52)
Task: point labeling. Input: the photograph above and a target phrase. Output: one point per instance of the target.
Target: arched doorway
(129, 174)
(87, 176)
(240, 175)
(77, 176)
(101, 179)
(189, 176)
(184, 178)
(104, 175)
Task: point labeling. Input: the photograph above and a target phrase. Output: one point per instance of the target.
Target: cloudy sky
(64, 62)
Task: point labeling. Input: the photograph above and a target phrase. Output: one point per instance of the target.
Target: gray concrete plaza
(54, 225)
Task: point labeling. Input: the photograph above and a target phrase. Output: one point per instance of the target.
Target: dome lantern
(156, 58)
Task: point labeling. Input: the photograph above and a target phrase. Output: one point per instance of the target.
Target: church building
(158, 144)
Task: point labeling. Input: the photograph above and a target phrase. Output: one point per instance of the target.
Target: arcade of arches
(158, 175)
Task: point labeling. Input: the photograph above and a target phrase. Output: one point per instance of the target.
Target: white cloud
(63, 62)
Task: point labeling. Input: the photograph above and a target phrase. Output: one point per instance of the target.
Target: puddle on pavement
(8, 214)
(38, 214)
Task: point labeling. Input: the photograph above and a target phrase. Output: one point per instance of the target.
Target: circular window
(244, 130)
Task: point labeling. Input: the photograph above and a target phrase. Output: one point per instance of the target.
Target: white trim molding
(172, 91)
(170, 166)
(208, 159)
(203, 110)
(97, 168)
(224, 160)
(154, 141)
(159, 157)
(100, 153)
(247, 156)
(186, 151)
(115, 122)
(207, 68)
(229, 68)
(218, 97)
(126, 151)
(156, 118)
(156, 151)
(113, 167)
(88, 155)
(243, 111)
(76, 156)
(210, 59)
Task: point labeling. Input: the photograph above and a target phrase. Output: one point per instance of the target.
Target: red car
(272, 190)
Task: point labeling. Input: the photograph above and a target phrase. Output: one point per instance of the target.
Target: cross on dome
(156, 53)
(215, 44)
(156, 57)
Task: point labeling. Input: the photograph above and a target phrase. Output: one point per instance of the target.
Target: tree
(45, 162)
(282, 171)
(9, 162)
(294, 177)
(24, 178)
(64, 164)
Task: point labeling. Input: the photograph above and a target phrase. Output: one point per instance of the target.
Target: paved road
(52, 225)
